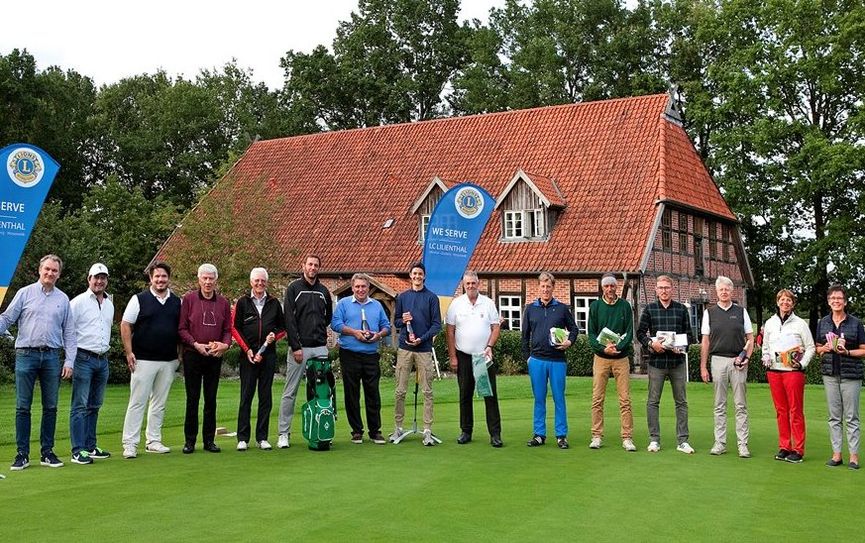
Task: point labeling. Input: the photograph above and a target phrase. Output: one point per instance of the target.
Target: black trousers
(256, 376)
(466, 380)
(357, 369)
(198, 370)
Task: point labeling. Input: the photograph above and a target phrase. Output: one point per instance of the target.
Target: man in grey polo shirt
(728, 339)
(45, 324)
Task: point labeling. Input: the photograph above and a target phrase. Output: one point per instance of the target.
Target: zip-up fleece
(250, 329)
(308, 310)
(537, 321)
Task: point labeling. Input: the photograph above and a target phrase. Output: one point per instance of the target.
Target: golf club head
(404, 435)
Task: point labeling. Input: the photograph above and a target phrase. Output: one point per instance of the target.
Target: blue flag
(455, 226)
(26, 175)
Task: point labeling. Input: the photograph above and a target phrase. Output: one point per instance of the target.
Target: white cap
(96, 269)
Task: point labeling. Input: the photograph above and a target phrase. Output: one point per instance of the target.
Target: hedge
(507, 357)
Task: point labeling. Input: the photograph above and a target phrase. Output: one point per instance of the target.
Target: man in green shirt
(611, 334)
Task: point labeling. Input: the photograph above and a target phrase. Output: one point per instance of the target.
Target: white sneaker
(157, 447)
(428, 440)
(596, 443)
(396, 434)
(684, 447)
(717, 449)
(264, 445)
(744, 452)
(654, 446)
(282, 442)
(130, 452)
(242, 445)
(628, 445)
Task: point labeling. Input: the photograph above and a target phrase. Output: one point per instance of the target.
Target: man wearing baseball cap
(93, 313)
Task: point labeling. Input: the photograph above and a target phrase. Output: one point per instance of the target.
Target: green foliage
(232, 232)
(773, 93)
(391, 63)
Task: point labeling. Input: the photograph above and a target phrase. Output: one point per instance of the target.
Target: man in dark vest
(728, 338)
(150, 339)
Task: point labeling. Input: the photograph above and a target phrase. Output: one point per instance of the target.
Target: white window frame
(514, 225)
(511, 309)
(581, 310)
(424, 226)
(539, 225)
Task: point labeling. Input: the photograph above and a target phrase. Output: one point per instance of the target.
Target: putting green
(449, 492)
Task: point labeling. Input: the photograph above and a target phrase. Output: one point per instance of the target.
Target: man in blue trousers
(546, 358)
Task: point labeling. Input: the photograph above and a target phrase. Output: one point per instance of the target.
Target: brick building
(580, 189)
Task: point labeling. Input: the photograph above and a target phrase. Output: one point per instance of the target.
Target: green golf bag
(319, 412)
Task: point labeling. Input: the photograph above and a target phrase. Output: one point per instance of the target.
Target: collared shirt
(130, 314)
(44, 320)
(92, 321)
(258, 303)
(472, 322)
(706, 329)
(348, 312)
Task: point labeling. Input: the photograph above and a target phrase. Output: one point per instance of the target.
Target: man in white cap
(93, 313)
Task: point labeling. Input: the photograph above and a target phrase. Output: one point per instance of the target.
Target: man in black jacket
(258, 322)
(308, 310)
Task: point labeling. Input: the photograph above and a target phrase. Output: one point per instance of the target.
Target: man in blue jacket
(546, 359)
(418, 318)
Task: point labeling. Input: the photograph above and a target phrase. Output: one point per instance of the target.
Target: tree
(51, 109)
(558, 51)
(780, 110)
(235, 233)
(391, 62)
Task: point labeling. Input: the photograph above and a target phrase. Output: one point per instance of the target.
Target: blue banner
(26, 175)
(455, 226)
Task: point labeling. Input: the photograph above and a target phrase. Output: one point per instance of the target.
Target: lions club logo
(25, 167)
(469, 202)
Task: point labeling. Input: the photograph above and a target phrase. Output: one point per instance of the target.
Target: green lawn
(449, 492)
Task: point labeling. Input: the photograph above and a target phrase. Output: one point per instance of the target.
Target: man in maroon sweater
(205, 331)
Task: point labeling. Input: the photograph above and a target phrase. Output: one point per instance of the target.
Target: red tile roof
(612, 161)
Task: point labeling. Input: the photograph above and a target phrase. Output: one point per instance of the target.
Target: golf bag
(319, 412)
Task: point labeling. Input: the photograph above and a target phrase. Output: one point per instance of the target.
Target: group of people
(159, 330)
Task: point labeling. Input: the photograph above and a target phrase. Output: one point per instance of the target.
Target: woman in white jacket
(788, 347)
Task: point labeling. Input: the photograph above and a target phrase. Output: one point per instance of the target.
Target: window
(699, 269)
(683, 233)
(511, 310)
(581, 311)
(513, 224)
(424, 225)
(666, 231)
(539, 224)
(713, 240)
(725, 242)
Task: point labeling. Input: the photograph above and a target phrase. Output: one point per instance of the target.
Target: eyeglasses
(208, 318)
(663, 288)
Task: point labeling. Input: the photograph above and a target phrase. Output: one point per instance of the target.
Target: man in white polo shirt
(473, 328)
(93, 314)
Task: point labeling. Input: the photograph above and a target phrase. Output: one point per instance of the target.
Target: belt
(42, 349)
(91, 353)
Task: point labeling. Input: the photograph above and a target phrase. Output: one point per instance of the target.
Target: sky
(110, 40)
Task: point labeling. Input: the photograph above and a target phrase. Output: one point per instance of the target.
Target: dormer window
(425, 204)
(530, 206)
(513, 224)
(424, 226)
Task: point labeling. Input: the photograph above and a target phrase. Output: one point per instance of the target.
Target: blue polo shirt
(348, 312)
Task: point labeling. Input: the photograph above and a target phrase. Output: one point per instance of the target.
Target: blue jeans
(88, 390)
(30, 365)
(539, 372)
